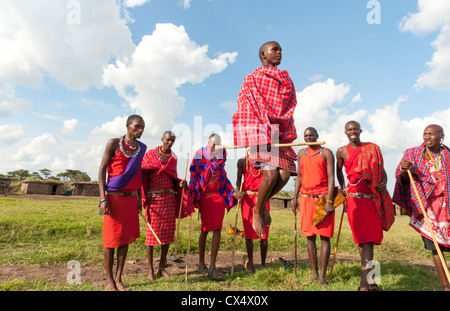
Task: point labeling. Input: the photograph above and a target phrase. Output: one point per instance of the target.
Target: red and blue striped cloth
(201, 171)
(405, 196)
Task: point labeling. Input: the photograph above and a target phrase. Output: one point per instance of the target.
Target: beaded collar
(125, 151)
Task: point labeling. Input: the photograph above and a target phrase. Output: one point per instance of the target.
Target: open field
(39, 235)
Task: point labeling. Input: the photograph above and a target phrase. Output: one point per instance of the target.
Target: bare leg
(215, 243)
(260, 214)
(151, 274)
(122, 252)
(108, 253)
(201, 250)
(162, 263)
(264, 245)
(312, 253)
(249, 246)
(325, 249)
(441, 271)
(366, 253)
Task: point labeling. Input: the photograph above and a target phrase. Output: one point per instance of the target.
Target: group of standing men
(264, 123)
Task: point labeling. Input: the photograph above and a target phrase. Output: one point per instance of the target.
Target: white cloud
(37, 38)
(9, 133)
(162, 62)
(69, 126)
(134, 3)
(114, 128)
(433, 15)
(187, 4)
(314, 103)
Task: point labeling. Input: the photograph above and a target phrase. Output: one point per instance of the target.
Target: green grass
(55, 232)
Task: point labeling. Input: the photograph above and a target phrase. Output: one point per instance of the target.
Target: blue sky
(72, 70)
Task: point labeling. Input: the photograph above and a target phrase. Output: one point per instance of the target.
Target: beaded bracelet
(329, 201)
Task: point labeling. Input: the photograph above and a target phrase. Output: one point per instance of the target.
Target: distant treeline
(46, 174)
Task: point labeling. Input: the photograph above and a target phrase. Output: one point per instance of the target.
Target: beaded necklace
(126, 152)
(311, 155)
(163, 156)
(436, 162)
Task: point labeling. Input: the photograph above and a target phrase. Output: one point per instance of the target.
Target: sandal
(214, 274)
(373, 287)
(203, 271)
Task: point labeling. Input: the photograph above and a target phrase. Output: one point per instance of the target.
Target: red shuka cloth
(121, 226)
(252, 179)
(212, 208)
(363, 216)
(266, 105)
(314, 182)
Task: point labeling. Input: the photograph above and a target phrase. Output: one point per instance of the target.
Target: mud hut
(85, 189)
(47, 187)
(280, 202)
(4, 185)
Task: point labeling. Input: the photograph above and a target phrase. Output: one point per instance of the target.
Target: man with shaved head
(369, 205)
(266, 105)
(161, 195)
(429, 164)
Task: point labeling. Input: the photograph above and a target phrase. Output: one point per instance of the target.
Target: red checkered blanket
(151, 161)
(266, 105)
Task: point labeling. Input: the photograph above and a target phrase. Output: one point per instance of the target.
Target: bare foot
(122, 287)
(267, 219)
(257, 223)
(323, 282)
(163, 273)
(110, 286)
(150, 276)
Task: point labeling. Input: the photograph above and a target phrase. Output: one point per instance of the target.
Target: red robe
(314, 183)
(362, 214)
(266, 105)
(162, 209)
(121, 226)
(252, 179)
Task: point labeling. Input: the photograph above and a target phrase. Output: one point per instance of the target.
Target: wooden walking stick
(278, 145)
(236, 220)
(337, 241)
(189, 246)
(174, 257)
(150, 227)
(295, 241)
(424, 212)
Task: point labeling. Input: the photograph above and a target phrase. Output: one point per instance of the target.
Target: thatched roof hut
(4, 185)
(85, 189)
(48, 187)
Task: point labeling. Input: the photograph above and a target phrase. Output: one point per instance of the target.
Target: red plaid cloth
(266, 105)
(405, 196)
(152, 163)
(371, 165)
(162, 210)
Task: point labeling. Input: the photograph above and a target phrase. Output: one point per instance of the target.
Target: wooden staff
(424, 212)
(337, 241)
(236, 220)
(295, 241)
(278, 145)
(181, 204)
(189, 245)
(151, 229)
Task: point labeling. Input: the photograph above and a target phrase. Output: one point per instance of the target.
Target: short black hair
(133, 117)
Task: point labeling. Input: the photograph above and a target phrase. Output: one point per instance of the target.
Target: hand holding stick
(424, 212)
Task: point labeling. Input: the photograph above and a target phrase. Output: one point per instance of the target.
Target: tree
(45, 172)
(74, 176)
(19, 174)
